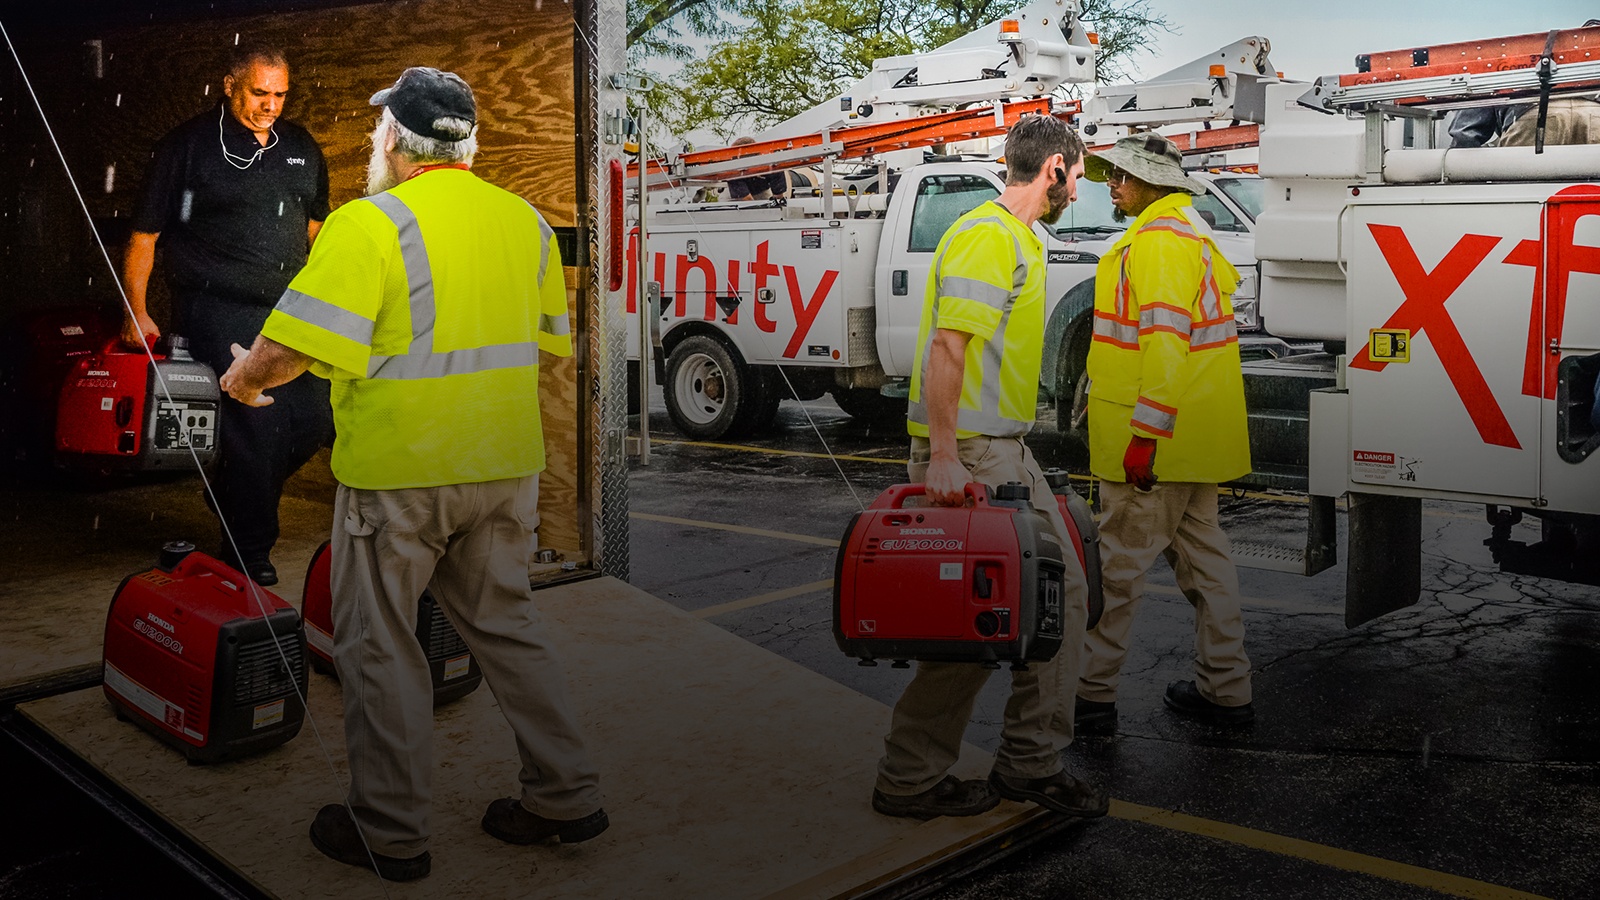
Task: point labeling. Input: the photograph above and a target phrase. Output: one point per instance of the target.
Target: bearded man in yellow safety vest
(1166, 425)
(427, 304)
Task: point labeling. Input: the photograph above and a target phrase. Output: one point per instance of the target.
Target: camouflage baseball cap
(1148, 157)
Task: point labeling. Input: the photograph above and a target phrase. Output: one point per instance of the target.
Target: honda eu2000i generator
(190, 656)
(978, 583)
(121, 410)
(455, 673)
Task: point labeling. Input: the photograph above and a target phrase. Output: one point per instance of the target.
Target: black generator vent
(261, 674)
(442, 640)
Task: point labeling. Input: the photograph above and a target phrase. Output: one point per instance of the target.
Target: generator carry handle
(895, 497)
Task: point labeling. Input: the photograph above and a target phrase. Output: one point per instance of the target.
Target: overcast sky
(1323, 38)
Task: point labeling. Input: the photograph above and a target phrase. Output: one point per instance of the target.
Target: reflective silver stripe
(1154, 419)
(991, 424)
(326, 316)
(555, 325)
(453, 362)
(993, 359)
(1116, 331)
(1209, 335)
(546, 235)
(973, 289)
(1162, 317)
(419, 275)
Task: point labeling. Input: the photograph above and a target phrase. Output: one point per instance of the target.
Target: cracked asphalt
(1451, 748)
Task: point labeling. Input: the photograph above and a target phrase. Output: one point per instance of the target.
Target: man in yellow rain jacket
(1166, 425)
(427, 305)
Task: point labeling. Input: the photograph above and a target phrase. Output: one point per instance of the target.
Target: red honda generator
(455, 672)
(981, 583)
(37, 351)
(202, 660)
(120, 409)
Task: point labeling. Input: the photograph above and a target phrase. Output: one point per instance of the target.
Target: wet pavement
(1449, 749)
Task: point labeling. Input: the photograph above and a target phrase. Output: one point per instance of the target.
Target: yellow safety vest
(427, 306)
(987, 280)
(1164, 362)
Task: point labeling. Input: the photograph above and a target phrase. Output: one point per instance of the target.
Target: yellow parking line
(1441, 882)
(771, 451)
(739, 529)
(761, 599)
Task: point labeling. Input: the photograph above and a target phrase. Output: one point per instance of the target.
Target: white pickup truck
(760, 302)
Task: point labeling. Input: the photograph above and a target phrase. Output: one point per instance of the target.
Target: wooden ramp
(728, 772)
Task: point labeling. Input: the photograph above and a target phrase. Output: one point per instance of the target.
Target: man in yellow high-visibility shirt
(1166, 425)
(427, 304)
(974, 390)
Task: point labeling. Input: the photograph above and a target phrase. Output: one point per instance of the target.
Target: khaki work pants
(931, 717)
(471, 545)
(1177, 520)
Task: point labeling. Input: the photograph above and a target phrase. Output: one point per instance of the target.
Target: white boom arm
(1225, 85)
(1027, 54)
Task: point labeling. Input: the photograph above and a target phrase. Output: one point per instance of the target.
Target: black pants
(260, 446)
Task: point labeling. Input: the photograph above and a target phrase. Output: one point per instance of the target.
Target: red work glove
(1139, 463)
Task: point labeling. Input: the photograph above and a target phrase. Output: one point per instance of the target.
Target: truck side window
(940, 201)
(1217, 214)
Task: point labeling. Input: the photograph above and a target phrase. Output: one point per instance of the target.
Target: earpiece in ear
(1061, 175)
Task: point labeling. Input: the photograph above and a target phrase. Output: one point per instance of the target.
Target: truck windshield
(1248, 193)
(1090, 214)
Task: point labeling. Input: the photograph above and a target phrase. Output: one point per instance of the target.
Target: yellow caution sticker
(267, 714)
(457, 666)
(1389, 345)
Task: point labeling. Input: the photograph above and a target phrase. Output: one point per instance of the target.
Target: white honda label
(320, 640)
(148, 702)
(456, 667)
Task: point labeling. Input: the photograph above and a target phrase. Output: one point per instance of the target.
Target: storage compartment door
(1441, 305)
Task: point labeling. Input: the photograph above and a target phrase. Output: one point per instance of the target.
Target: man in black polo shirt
(235, 197)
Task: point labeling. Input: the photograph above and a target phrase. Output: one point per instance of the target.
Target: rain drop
(119, 100)
(236, 38)
(208, 90)
(96, 523)
(111, 178)
(280, 208)
(188, 206)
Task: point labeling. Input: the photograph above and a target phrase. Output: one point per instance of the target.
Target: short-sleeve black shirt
(226, 231)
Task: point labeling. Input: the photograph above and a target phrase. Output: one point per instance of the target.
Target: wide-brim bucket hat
(1148, 157)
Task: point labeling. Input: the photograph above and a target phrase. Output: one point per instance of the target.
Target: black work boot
(1060, 792)
(335, 834)
(950, 797)
(1094, 718)
(508, 820)
(1184, 698)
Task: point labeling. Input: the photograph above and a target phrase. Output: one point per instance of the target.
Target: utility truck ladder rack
(1466, 73)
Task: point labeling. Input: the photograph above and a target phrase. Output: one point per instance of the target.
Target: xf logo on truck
(713, 278)
(1554, 258)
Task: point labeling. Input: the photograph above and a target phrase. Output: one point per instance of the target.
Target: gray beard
(380, 175)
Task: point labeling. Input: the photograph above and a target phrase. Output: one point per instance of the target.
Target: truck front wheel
(708, 387)
(1072, 390)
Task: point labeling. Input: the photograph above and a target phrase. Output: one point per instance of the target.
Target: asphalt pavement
(1448, 749)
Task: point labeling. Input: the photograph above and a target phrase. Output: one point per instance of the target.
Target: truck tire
(868, 405)
(710, 392)
(1072, 390)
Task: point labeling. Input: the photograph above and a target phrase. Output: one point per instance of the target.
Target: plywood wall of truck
(112, 90)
